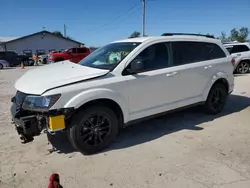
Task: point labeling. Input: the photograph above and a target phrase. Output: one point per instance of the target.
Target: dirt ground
(184, 149)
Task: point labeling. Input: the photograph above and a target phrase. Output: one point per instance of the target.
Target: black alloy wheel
(93, 129)
(216, 99)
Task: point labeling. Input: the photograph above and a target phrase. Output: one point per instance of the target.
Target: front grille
(19, 98)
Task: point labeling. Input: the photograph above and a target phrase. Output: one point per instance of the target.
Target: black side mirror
(136, 66)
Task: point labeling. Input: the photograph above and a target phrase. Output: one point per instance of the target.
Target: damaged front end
(31, 115)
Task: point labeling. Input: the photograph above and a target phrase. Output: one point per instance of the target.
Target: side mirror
(136, 66)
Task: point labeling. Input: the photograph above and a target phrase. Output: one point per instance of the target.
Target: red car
(73, 54)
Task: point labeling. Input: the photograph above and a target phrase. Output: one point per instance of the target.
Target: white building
(44, 40)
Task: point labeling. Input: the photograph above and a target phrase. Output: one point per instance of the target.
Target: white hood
(40, 79)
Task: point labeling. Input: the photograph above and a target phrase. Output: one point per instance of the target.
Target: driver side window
(155, 57)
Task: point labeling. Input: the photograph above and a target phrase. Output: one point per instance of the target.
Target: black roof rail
(193, 34)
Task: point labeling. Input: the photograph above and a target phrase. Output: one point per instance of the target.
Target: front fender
(94, 94)
(212, 80)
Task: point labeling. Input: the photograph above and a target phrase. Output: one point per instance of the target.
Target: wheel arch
(103, 97)
(108, 103)
(219, 77)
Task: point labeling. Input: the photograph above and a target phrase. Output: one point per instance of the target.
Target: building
(40, 41)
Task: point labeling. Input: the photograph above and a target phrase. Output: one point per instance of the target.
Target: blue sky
(85, 19)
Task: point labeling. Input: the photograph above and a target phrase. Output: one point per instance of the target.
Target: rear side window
(239, 48)
(214, 51)
(11, 54)
(2, 55)
(82, 50)
(192, 52)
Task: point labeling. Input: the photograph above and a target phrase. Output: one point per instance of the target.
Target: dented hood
(38, 80)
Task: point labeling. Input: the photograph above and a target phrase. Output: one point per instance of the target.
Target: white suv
(119, 83)
(241, 53)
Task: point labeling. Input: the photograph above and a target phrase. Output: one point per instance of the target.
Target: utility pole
(64, 26)
(143, 16)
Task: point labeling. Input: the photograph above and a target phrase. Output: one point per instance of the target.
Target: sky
(98, 22)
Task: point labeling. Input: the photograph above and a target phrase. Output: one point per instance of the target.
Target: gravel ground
(184, 149)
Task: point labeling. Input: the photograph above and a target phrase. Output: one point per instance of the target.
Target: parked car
(3, 64)
(11, 57)
(241, 53)
(26, 59)
(43, 58)
(73, 54)
(121, 83)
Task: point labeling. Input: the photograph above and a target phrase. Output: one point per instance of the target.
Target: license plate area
(56, 123)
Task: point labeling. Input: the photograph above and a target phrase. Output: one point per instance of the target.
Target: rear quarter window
(191, 52)
(214, 51)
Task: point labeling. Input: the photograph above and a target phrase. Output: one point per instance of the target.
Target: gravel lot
(184, 149)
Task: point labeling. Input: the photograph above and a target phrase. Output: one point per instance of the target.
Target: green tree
(58, 33)
(135, 34)
(223, 37)
(239, 35)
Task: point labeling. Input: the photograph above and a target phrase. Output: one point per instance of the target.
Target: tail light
(233, 61)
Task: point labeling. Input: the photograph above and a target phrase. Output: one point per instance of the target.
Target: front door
(151, 89)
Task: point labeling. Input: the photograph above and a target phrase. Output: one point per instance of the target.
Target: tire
(58, 60)
(88, 136)
(243, 67)
(1, 66)
(216, 99)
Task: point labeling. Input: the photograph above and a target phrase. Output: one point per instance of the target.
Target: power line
(117, 18)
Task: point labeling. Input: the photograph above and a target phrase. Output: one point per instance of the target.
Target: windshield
(109, 56)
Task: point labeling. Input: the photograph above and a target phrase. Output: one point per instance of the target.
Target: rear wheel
(216, 99)
(243, 67)
(93, 129)
(1, 66)
(58, 60)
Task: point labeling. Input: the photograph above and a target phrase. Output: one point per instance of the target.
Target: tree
(239, 35)
(223, 37)
(58, 33)
(135, 34)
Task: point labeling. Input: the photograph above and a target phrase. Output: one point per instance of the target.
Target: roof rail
(231, 42)
(193, 34)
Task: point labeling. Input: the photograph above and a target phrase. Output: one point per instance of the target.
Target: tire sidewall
(75, 128)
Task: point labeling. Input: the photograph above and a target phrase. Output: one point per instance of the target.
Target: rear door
(73, 55)
(13, 58)
(194, 65)
(82, 52)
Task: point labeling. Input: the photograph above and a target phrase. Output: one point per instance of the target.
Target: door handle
(171, 74)
(207, 67)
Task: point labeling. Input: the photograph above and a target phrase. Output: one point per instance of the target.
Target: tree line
(240, 35)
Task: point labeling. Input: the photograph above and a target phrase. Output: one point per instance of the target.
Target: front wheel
(216, 99)
(243, 67)
(93, 129)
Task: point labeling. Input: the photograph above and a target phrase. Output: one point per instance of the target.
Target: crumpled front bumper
(27, 126)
